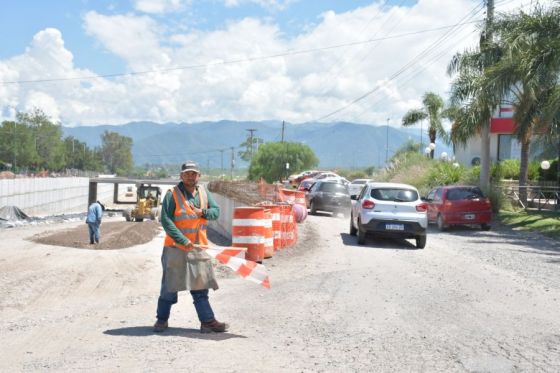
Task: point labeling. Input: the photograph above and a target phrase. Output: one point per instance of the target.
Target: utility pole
(283, 124)
(421, 142)
(14, 166)
(387, 143)
(232, 161)
(251, 130)
(222, 157)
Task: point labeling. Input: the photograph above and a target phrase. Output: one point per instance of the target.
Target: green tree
(270, 160)
(47, 138)
(32, 142)
(116, 152)
(529, 72)
(434, 111)
(250, 148)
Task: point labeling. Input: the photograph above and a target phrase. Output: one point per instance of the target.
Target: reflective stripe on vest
(185, 219)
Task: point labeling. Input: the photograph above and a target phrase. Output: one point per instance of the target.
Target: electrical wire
(408, 65)
(228, 62)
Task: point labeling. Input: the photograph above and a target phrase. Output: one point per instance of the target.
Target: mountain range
(337, 144)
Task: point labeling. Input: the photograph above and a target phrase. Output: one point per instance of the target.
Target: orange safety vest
(185, 219)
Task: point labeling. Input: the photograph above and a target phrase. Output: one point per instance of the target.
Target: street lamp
(545, 165)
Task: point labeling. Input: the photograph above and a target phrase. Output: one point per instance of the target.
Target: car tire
(421, 241)
(353, 229)
(312, 209)
(127, 214)
(440, 223)
(485, 226)
(361, 234)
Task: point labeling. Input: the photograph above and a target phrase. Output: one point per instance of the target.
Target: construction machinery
(147, 204)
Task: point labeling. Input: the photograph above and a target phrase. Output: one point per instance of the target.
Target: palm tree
(520, 67)
(528, 72)
(434, 111)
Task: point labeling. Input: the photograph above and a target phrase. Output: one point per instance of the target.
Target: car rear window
(456, 194)
(334, 188)
(394, 194)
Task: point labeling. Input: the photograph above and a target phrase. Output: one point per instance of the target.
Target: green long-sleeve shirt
(168, 209)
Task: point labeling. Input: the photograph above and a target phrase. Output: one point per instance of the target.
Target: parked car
(328, 195)
(458, 204)
(306, 184)
(389, 209)
(356, 185)
(326, 174)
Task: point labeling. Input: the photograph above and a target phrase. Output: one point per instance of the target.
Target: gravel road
(471, 301)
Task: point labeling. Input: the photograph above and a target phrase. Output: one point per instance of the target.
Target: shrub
(444, 173)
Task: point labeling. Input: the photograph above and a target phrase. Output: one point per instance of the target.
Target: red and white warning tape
(234, 258)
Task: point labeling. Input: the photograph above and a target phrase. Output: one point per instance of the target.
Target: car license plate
(394, 227)
(469, 216)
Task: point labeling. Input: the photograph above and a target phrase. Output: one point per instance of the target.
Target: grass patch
(546, 222)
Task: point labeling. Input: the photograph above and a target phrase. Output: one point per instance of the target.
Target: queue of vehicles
(392, 209)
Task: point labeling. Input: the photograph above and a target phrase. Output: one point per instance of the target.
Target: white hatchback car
(389, 209)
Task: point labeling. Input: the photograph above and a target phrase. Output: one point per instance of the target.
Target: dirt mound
(114, 235)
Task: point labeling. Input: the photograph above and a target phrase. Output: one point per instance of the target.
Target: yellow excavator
(148, 204)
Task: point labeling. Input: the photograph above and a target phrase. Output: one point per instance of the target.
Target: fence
(541, 197)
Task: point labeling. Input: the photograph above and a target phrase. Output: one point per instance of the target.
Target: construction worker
(93, 220)
(186, 210)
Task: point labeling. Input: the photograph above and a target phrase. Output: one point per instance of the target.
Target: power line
(229, 62)
(412, 62)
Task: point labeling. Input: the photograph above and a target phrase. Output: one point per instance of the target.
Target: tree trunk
(485, 157)
(524, 170)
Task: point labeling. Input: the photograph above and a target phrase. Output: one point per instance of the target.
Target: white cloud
(43, 101)
(160, 6)
(233, 81)
(132, 38)
(267, 4)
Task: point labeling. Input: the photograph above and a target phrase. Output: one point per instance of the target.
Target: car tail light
(367, 204)
(422, 207)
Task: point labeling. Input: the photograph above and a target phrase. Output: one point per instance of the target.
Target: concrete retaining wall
(56, 196)
(227, 206)
(50, 196)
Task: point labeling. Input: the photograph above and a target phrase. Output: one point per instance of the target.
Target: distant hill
(338, 144)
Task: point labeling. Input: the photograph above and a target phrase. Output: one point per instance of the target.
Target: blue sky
(294, 60)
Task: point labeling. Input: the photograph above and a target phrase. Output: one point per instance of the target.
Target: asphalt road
(471, 301)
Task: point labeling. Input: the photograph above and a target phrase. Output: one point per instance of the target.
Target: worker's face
(190, 178)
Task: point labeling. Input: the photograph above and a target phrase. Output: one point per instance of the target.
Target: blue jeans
(200, 300)
(94, 232)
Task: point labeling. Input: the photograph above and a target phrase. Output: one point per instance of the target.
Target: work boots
(160, 326)
(213, 326)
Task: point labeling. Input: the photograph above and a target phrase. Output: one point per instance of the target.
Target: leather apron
(188, 270)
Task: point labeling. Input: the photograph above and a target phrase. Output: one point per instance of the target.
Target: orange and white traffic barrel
(287, 225)
(268, 234)
(276, 226)
(248, 230)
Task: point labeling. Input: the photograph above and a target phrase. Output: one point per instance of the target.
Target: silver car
(389, 209)
(356, 185)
